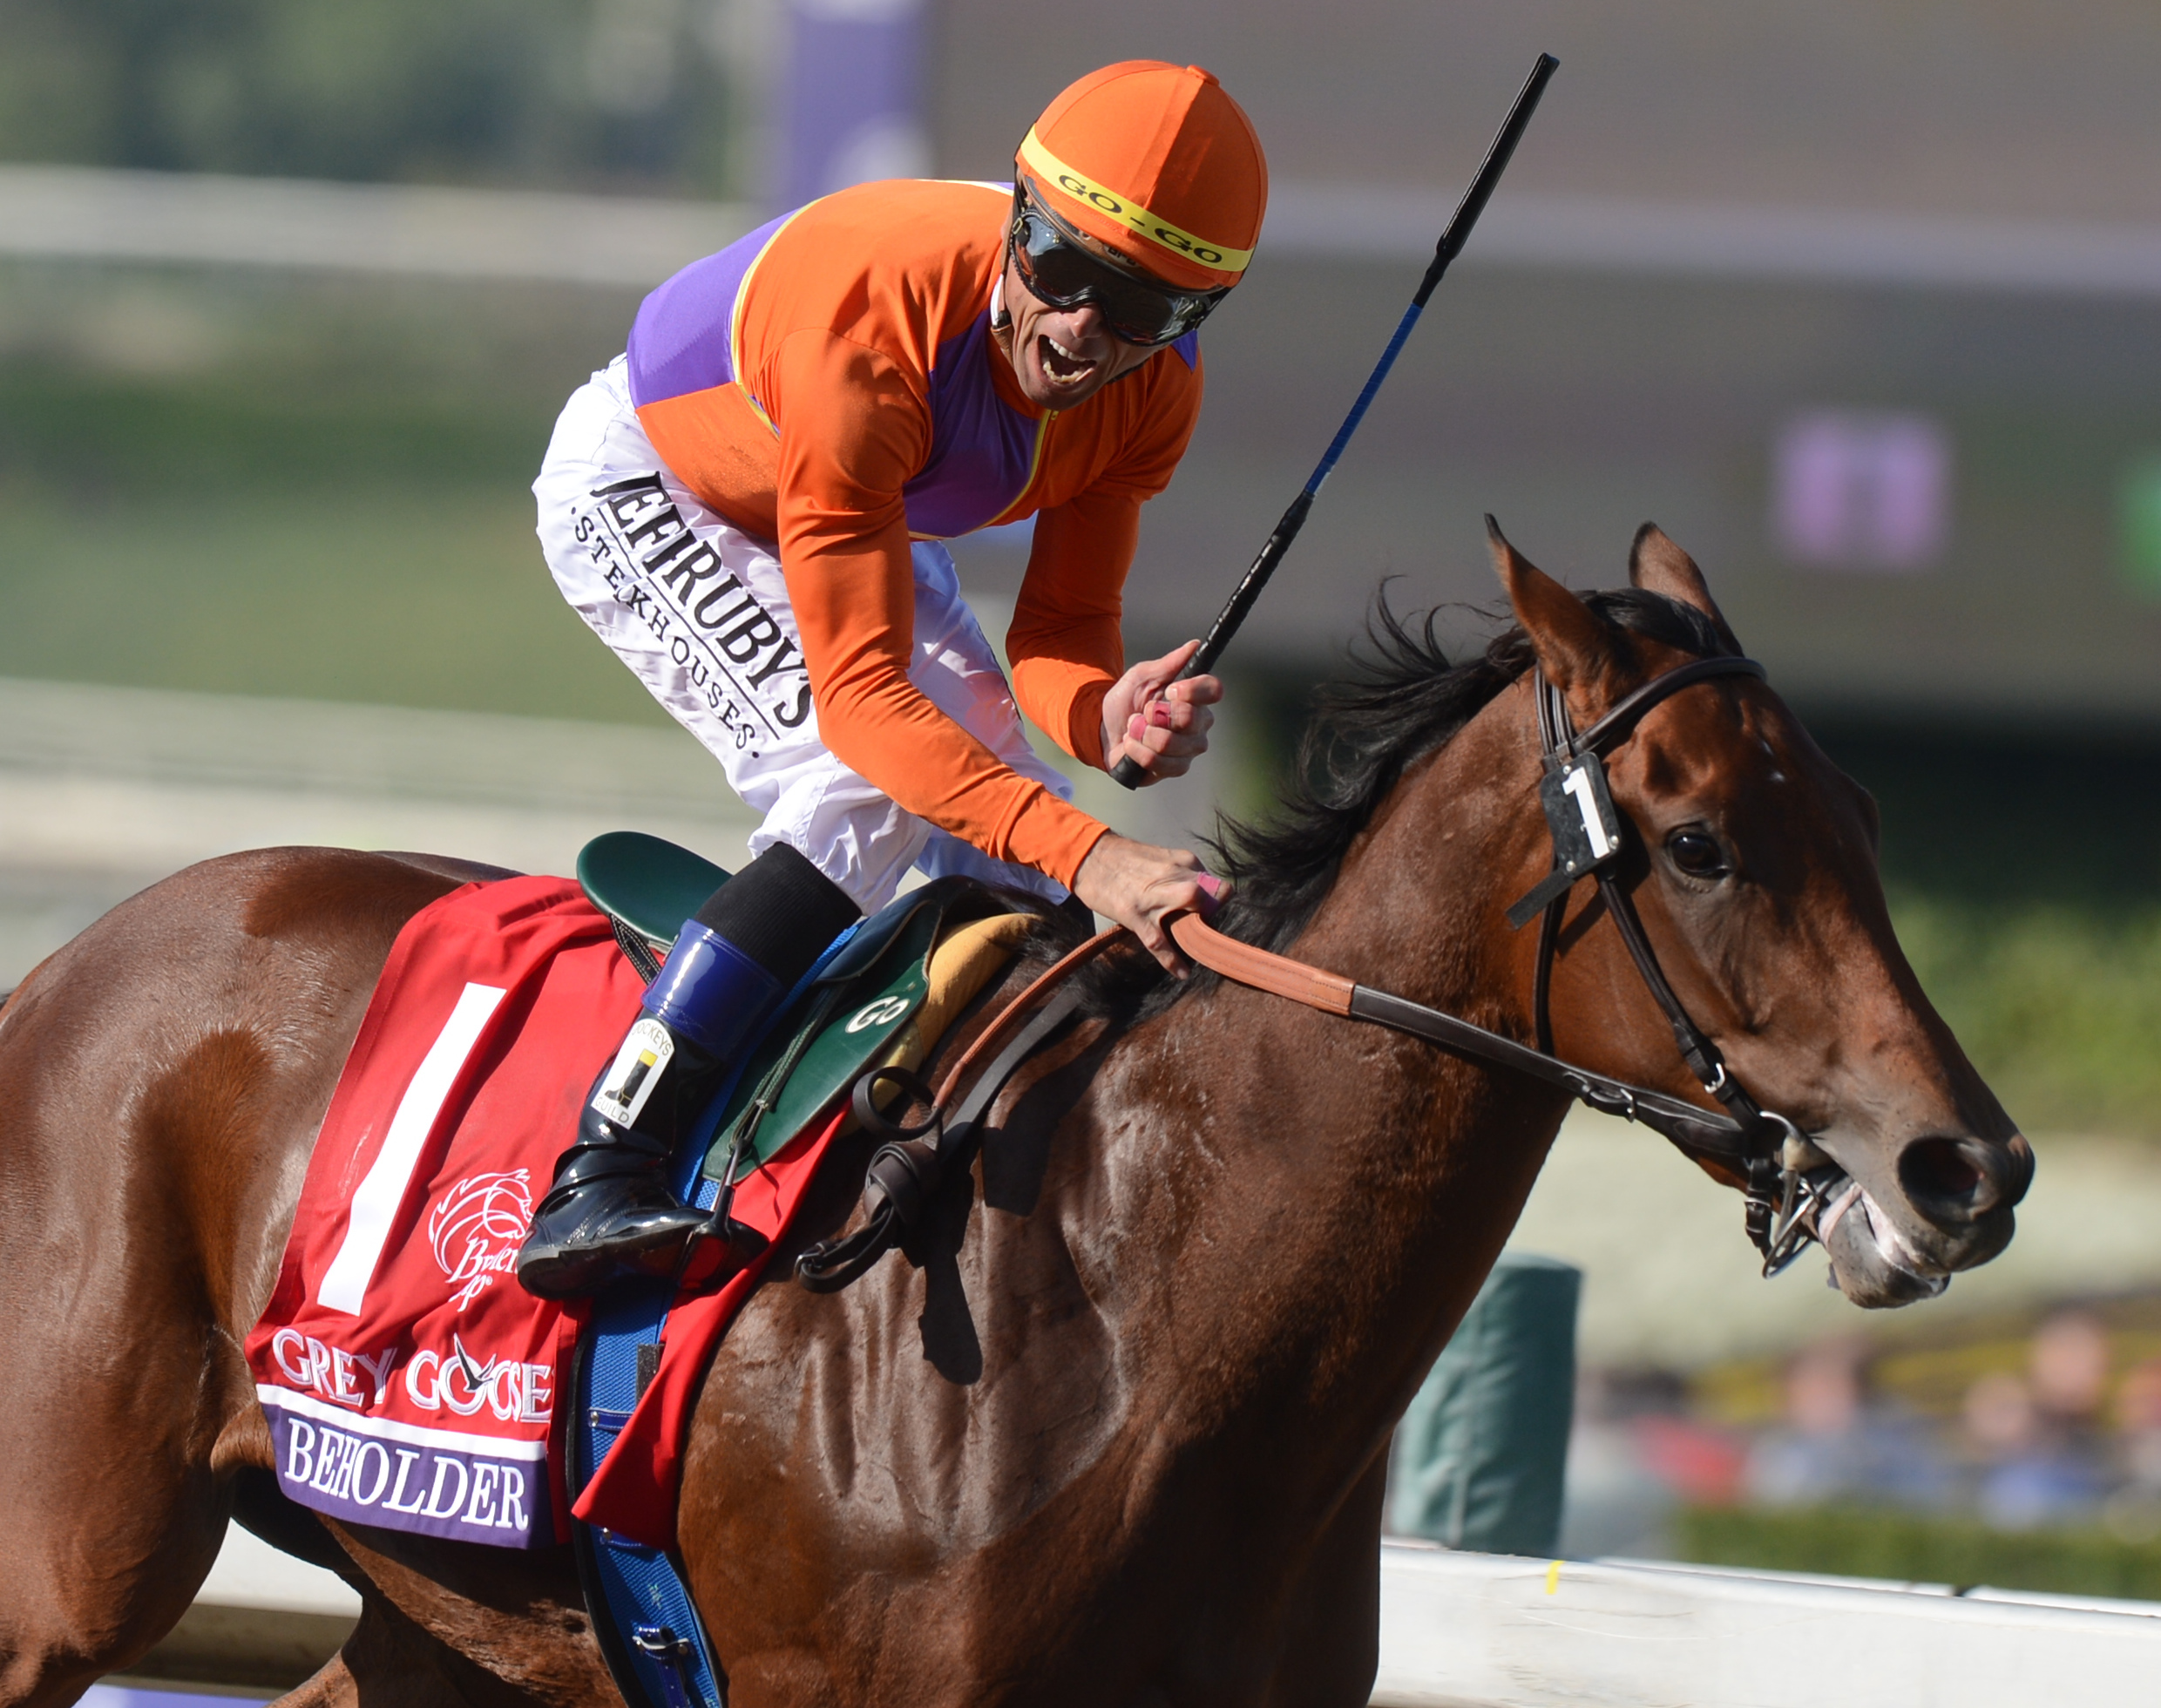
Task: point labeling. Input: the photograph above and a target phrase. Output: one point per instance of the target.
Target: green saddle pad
(812, 1057)
(650, 884)
(837, 1029)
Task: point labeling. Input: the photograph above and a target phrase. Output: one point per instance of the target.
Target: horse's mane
(1406, 701)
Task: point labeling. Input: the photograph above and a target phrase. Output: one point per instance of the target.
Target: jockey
(748, 507)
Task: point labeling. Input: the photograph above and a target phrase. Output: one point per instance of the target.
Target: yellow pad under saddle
(960, 967)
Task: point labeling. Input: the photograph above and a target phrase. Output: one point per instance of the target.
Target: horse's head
(1752, 866)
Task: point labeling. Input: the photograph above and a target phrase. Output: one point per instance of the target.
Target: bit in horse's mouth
(1844, 1198)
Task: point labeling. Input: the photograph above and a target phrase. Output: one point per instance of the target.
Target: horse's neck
(1353, 1186)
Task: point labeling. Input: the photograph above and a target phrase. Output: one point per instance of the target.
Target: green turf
(337, 507)
(233, 437)
(2059, 1007)
(1853, 1542)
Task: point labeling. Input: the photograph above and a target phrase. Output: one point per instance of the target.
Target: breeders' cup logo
(475, 1230)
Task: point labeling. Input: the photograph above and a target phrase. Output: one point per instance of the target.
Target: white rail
(81, 213)
(1458, 1630)
(1482, 1630)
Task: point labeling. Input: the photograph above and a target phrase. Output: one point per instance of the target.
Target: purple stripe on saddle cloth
(680, 343)
(436, 1482)
(982, 450)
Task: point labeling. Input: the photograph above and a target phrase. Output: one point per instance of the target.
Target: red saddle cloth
(408, 1381)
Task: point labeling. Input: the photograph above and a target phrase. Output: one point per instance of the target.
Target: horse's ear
(1657, 565)
(1572, 645)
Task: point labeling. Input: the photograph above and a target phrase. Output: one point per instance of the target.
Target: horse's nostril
(2021, 1173)
(1953, 1179)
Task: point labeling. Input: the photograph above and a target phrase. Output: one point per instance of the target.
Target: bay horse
(1116, 1431)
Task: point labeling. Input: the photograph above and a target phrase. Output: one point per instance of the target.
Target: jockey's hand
(1162, 725)
(1140, 886)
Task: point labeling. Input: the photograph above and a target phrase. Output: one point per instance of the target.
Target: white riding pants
(699, 610)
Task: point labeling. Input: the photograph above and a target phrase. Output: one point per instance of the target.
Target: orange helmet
(1156, 161)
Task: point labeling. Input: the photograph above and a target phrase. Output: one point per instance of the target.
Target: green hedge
(1860, 1542)
(2058, 1006)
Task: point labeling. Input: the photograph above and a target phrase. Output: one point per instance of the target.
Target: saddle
(882, 999)
(866, 1017)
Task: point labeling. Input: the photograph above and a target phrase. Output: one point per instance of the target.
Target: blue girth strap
(649, 1631)
(643, 1619)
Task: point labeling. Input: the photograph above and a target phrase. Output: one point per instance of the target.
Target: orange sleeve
(854, 431)
(1064, 644)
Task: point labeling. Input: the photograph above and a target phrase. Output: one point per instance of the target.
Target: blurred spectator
(1835, 1445)
(2133, 1512)
(2058, 1439)
(2138, 1421)
(1701, 1465)
(1813, 1458)
(1999, 1416)
(2069, 1367)
(2046, 1459)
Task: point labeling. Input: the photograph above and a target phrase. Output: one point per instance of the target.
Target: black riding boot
(611, 1210)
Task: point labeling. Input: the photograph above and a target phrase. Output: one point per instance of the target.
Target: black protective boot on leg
(611, 1211)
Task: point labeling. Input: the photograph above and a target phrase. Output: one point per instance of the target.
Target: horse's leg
(1331, 1622)
(161, 1080)
(448, 1624)
(388, 1659)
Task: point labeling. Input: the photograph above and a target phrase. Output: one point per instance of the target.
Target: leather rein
(1786, 1182)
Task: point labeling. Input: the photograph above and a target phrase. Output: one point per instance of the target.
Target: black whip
(1452, 241)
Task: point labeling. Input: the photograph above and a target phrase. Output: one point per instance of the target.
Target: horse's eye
(1697, 854)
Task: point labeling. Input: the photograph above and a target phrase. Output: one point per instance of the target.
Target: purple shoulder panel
(680, 343)
(982, 450)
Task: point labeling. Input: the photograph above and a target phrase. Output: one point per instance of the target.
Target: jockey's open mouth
(1064, 356)
(1062, 366)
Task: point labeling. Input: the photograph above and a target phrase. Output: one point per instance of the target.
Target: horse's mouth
(1877, 1267)
(1871, 1262)
(1945, 1211)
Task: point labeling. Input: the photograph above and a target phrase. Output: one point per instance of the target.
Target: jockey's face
(1062, 356)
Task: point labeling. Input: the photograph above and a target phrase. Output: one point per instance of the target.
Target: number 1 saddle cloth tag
(408, 1381)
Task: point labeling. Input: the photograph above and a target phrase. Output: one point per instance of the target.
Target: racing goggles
(1056, 267)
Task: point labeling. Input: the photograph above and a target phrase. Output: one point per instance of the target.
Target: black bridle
(1589, 837)
(1786, 1183)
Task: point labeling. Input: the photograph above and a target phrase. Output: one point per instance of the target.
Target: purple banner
(850, 96)
(436, 1482)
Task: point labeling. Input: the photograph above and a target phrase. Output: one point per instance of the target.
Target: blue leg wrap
(710, 992)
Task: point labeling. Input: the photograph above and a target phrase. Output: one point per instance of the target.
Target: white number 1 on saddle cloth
(407, 1380)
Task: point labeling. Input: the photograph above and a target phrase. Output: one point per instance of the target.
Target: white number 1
(377, 1200)
(1578, 783)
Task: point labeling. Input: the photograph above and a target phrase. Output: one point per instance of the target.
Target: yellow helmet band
(1128, 212)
